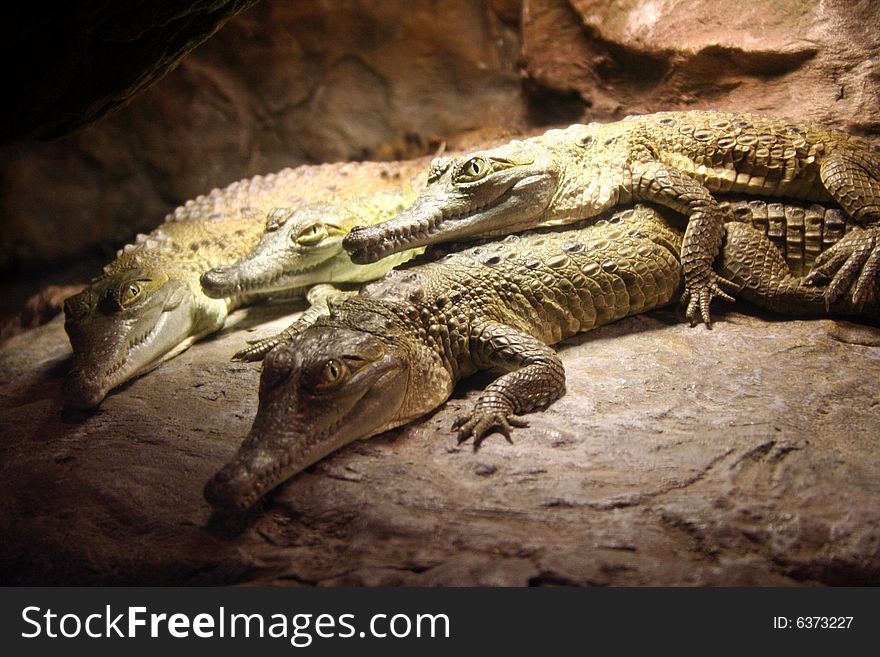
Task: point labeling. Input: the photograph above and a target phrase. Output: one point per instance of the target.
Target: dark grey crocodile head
(492, 192)
(328, 387)
(124, 324)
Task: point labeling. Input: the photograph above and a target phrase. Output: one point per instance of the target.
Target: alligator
(302, 248)
(395, 351)
(674, 159)
(148, 304)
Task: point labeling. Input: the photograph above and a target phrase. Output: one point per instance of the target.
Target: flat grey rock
(744, 455)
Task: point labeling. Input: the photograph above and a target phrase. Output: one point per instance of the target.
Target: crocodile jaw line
(86, 387)
(234, 282)
(273, 453)
(518, 207)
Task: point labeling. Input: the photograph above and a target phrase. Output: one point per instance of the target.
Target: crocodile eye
(129, 294)
(332, 374)
(311, 234)
(474, 169)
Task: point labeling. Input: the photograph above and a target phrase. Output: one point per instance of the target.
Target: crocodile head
(300, 247)
(329, 386)
(491, 192)
(125, 323)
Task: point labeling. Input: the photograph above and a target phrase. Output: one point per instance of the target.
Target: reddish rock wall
(816, 60)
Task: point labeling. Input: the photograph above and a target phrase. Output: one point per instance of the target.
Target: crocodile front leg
(535, 378)
(659, 183)
(320, 298)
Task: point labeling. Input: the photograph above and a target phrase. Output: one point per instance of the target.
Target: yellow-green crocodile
(674, 159)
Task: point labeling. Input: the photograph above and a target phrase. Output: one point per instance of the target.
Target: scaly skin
(302, 248)
(854, 259)
(149, 305)
(394, 352)
(799, 232)
(674, 159)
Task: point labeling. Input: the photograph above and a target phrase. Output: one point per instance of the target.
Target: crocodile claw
(480, 423)
(698, 297)
(257, 349)
(854, 262)
(260, 347)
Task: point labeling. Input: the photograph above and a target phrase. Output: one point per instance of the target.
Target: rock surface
(748, 455)
(812, 60)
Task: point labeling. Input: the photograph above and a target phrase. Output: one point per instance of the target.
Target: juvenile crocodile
(148, 305)
(394, 352)
(302, 248)
(674, 159)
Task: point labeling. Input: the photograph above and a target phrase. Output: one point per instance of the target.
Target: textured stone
(815, 60)
(745, 455)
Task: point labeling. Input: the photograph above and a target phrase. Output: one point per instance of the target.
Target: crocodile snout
(81, 391)
(219, 282)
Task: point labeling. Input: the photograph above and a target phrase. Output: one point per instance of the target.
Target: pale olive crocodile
(674, 159)
(148, 305)
(395, 351)
(302, 248)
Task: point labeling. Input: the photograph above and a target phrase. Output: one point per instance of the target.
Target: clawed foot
(697, 297)
(257, 349)
(260, 347)
(483, 422)
(852, 263)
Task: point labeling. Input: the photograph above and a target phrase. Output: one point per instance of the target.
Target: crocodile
(148, 305)
(674, 159)
(395, 351)
(302, 248)
(802, 233)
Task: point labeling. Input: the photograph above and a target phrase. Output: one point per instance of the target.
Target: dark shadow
(546, 107)
(228, 524)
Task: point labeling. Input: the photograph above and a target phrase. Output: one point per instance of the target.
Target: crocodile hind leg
(320, 298)
(853, 180)
(856, 257)
(752, 262)
(535, 377)
(655, 182)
